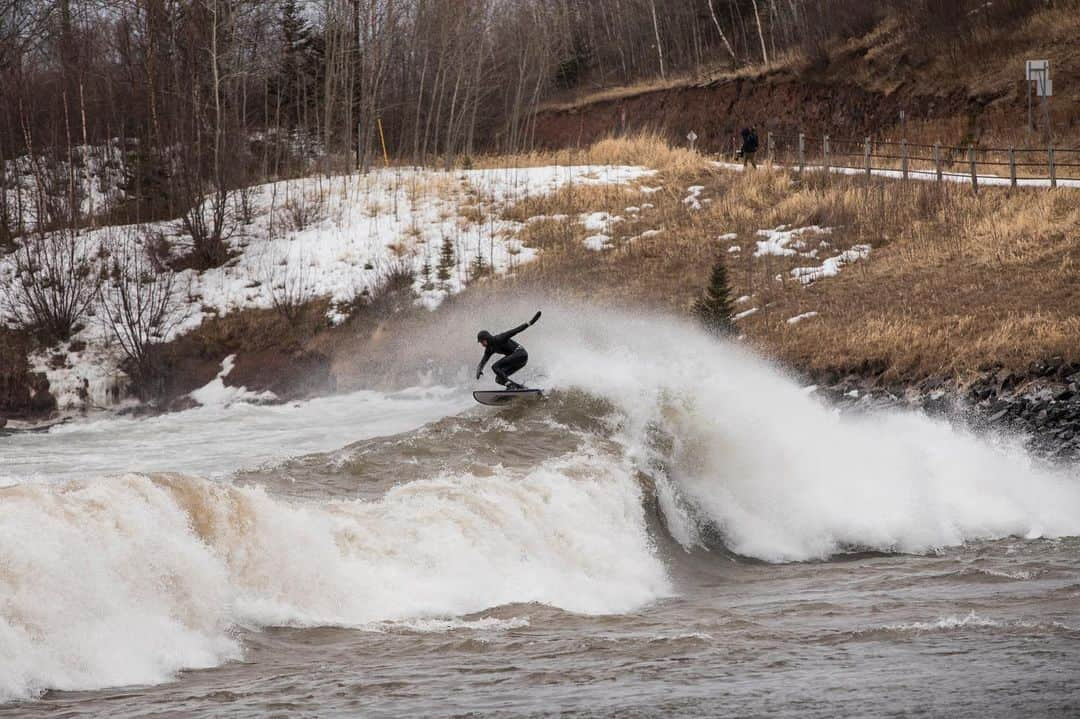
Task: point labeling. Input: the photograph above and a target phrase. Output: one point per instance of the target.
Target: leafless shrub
(210, 223)
(398, 276)
(245, 203)
(292, 286)
(140, 306)
(54, 284)
(304, 208)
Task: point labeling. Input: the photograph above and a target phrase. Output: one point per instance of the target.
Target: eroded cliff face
(780, 104)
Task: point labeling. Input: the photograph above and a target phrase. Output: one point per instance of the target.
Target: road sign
(1037, 77)
(1038, 72)
(692, 137)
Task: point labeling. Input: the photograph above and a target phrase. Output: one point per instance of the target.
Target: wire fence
(1047, 166)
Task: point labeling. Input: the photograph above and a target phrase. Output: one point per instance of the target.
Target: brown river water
(642, 542)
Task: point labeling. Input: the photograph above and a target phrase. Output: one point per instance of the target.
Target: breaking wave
(128, 579)
(741, 452)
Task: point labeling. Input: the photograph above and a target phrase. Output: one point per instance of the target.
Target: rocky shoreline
(1041, 404)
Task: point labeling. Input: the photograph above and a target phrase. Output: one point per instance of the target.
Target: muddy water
(626, 547)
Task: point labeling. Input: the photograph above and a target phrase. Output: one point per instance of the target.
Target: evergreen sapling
(713, 308)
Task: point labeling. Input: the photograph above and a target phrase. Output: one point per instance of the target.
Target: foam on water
(127, 580)
(217, 440)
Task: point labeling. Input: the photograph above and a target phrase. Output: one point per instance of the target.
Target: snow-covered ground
(93, 175)
(336, 238)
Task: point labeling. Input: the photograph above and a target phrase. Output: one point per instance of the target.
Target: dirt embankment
(782, 104)
(950, 91)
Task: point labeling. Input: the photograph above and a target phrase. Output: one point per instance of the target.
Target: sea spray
(779, 475)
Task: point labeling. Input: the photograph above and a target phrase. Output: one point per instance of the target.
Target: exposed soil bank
(781, 104)
(971, 93)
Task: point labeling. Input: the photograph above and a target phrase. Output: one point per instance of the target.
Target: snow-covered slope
(337, 238)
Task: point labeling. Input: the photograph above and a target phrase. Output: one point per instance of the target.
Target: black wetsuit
(515, 358)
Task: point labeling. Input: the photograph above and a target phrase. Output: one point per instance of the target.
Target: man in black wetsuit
(515, 355)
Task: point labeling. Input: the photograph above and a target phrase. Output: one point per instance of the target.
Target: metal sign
(1038, 72)
(692, 137)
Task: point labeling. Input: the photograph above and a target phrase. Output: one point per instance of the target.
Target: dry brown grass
(955, 282)
(647, 149)
(722, 71)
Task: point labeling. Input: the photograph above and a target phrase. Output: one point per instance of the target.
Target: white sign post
(1037, 75)
(692, 137)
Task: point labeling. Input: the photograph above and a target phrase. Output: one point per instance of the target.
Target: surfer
(515, 356)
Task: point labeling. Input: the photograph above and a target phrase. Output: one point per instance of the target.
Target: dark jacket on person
(749, 142)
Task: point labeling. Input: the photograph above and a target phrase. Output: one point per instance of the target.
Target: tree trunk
(761, 35)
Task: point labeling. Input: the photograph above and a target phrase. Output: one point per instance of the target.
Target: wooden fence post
(866, 157)
(1053, 168)
(937, 160)
(903, 159)
(974, 170)
(769, 148)
(802, 152)
(825, 153)
(1012, 167)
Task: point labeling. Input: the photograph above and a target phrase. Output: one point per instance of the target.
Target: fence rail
(1021, 166)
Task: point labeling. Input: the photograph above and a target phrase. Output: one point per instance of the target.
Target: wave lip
(739, 451)
(130, 580)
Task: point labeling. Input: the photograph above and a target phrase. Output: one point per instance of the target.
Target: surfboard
(500, 397)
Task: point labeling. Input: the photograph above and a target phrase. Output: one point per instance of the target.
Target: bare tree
(720, 30)
(761, 35)
(140, 306)
(54, 284)
(656, 32)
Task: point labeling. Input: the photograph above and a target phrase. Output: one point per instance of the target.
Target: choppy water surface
(676, 530)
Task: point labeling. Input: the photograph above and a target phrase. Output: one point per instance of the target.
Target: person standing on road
(749, 146)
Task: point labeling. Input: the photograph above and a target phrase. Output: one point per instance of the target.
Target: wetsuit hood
(483, 335)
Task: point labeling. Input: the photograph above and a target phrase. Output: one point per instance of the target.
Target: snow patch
(799, 318)
(693, 200)
(784, 242)
(216, 394)
(831, 266)
(745, 313)
(598, 243)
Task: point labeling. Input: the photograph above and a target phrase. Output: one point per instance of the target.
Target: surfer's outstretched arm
(520, 328)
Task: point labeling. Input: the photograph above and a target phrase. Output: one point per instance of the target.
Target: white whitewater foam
(782, 476)
(126, 581)
(217, 440)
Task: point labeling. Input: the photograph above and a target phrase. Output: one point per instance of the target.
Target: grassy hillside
(951, 283)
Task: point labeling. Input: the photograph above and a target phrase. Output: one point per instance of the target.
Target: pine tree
(713, 309)
(479, 265)
(425, 272)
(447, 260)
